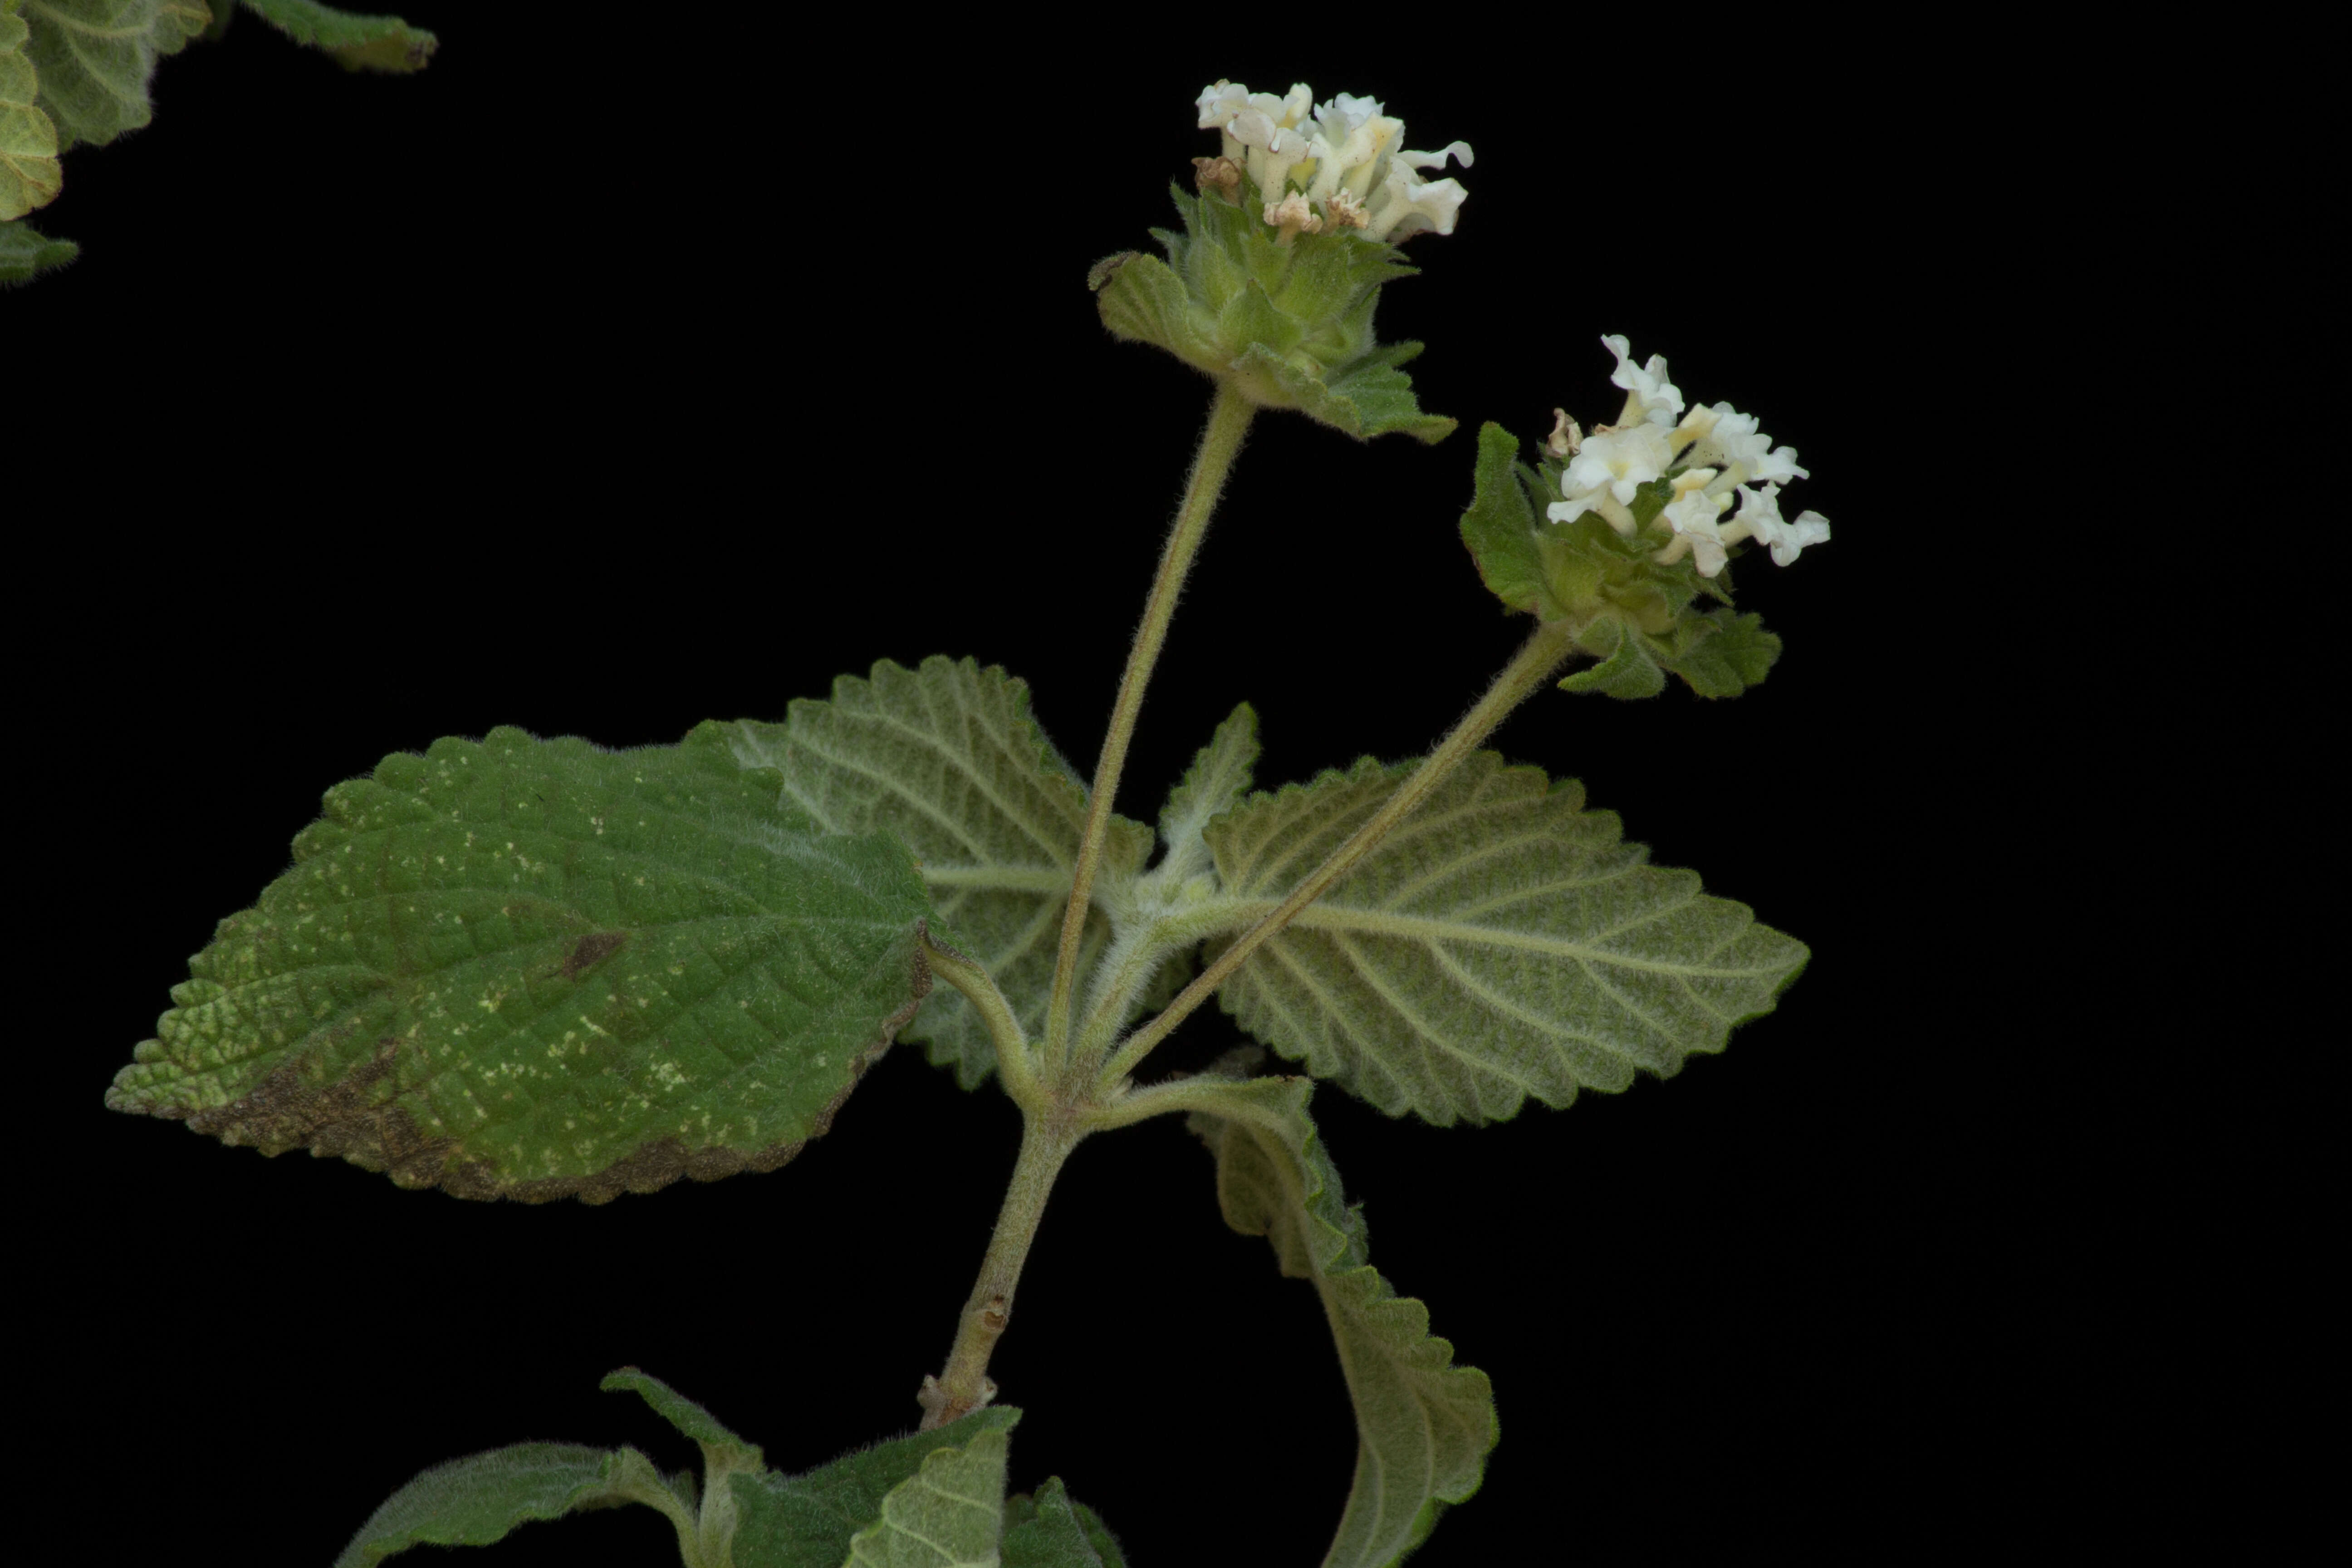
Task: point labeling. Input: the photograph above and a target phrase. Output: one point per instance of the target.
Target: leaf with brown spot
(536, 969)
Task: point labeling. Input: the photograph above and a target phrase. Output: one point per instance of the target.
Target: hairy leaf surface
(810, 1520)
(24, 251)
(96, 58)
(1424, 1426)
(949, 1515)
(532, 968)
(478, 1500)
(948, 758)
(1502, 942)
(1219, 776)
(1050, 1530)
(28, 141)
(360, 42)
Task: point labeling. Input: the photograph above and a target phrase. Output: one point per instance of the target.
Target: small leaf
(1049, 1530)
(1424, 1426)
(1630, 671)
(24, 251)
(1219, 776)
(29, 176)
(1501, 942)
(97, 56)
(949, 1515)
(1499, 526)
(948, 758)
(1722, 654)
(808, 1520)
(477, 1501)
(531, 968)
(718, 1443)
(360, 42)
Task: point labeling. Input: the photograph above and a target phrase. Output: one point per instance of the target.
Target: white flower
(1692, 517)
(1760, 519)
(1716, 454)
(1619, 460)
(1650, 396)
(1347, 161)
(1270, 128)
(1733, 442)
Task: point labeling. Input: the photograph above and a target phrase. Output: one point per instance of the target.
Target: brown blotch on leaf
(591, 948)
(282, 1112)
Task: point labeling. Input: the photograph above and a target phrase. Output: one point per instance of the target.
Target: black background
(599, 384)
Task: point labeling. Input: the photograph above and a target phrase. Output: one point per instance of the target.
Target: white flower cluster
(1721, 454)
(1343, 158)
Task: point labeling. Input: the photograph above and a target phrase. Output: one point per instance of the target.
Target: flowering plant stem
(1046, 1139)
(1536, 658)
(1220, 441)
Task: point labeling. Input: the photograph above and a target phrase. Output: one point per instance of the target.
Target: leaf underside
(29, 177)
(1424, 1426)
(810, 1520)
(535, 969)
(1502, 942)
(947, 757)
(477, 1501)
(96, 58)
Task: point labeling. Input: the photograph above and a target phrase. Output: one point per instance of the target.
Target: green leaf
(1499, 527)
(477, 1501)
(1501, 942)
(24, 251)
(1424, 1426)
(949, 1515)
(809, 1521)
(1722, 654)
(947, 758)
(1049, 1530)
(97, 56)
(360, 42)
(530, 969)
(720, 1448)
(29, 176)
(1629, 671)
(1219, 776)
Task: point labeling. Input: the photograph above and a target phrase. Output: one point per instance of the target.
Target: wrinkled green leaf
(1424, 1426)
(1722, 654)
(809, 1521)
(1499, 526)
(948, 758)
(1502, 942)
(24, 251)
(1630, 670)
(29, 176)
(360, 42)
(1219, 776)
(96, 58)
(1049, 1530)
(477, 1501)
(533, 968)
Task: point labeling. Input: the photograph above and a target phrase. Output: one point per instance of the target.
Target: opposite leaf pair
(935, 1499)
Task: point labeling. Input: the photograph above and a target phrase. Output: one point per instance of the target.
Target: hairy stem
(1014, 1065)
(963, 1387)
(1229, 418)
(1535, 659)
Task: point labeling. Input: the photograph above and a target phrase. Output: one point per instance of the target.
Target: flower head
(1345, 158)
(1712, 456)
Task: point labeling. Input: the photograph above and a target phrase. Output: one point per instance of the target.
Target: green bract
(1642, 619)
(1288, 324)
